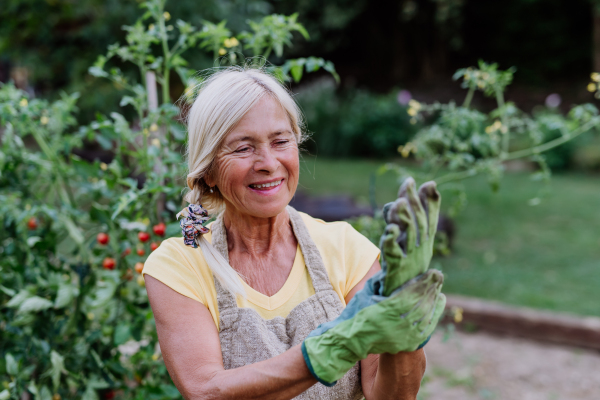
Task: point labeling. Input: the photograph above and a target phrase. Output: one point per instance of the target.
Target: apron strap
(225, 299)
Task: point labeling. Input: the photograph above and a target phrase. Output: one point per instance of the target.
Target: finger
(408, 190)
(416, 298)
(386, 210)
(430, 200)
(427, 326)
(389, 242)
(401, 215)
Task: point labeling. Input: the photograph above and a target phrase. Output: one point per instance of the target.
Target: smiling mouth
(267, 185)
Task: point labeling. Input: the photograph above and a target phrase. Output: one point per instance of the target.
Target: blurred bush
(353, 122)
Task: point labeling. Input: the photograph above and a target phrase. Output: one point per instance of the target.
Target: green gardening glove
(400, 306)
(407, 244)
(374, 324)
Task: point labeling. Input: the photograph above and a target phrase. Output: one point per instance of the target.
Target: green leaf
(73, 229)
(34, 304)
(20, 297)
(122, 334)
(7, 291)
(296, 72)
(4, 395)
(64, 296)
(58, 367)
(12, 367)
(32, 240)
(45, 393)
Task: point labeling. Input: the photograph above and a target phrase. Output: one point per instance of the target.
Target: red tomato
(153, 246)
(143, 236)
(102, 238)
(127, 251)
(139, 267)
(108, 263)
(32, 223)
(109, 395)
(159, 229)
(141, 252)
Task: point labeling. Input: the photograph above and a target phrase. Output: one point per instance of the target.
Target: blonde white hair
(222, 100)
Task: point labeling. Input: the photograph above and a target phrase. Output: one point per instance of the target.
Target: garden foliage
(75, 320)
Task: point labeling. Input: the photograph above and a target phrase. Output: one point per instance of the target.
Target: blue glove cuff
(420, 346)
(310, 368)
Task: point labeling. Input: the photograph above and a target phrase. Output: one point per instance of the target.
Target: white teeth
(264, 185)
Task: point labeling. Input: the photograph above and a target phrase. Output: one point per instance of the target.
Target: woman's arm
(196, 366)
(390, 376)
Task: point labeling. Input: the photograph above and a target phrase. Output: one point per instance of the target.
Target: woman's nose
(266, 161)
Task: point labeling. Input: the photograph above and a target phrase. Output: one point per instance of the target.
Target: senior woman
(256, 313)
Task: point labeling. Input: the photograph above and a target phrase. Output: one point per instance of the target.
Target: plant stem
(506, 137)
(469, 97)
(553, 143)
(167, 59)
(456, 176)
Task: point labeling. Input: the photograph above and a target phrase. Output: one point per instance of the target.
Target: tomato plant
(74, 323)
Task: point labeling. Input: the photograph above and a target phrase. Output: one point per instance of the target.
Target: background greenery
(543, 256)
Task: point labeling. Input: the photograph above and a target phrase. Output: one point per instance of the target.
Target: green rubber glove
(400, 306)
(373, 324)
(407, 244)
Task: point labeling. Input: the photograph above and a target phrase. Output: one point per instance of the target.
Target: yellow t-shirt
(347, 256)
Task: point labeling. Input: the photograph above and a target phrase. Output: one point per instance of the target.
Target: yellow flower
(414, 104)
(23, 103)
(489, 129)
(407, 149)
(155, 142)
(103, 166)
(151, 27)
(155, 356)
(480, 85)
(153, 128)
(141, 281)
(595, 76)
(167, 15)
(412, 112)
(231, 42)
(146, 221)
(222, 51)
(44, 120)
(145, 131)
(56, 396)
(591, 87)
(90, 316)
(458, 314)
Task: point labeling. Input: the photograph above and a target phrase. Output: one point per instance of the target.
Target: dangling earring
(211, 190)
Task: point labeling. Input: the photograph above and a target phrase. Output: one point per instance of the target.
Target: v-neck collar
(285, 293)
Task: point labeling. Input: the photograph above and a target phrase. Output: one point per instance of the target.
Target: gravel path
(483, 366)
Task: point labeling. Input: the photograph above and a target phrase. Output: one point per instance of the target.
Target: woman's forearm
(398, 376)
(282, 377)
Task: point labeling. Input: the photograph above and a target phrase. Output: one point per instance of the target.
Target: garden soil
(473, 366)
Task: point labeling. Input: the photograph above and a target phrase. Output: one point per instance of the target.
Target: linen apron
(247, 338)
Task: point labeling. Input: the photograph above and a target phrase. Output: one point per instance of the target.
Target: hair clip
(192, 223)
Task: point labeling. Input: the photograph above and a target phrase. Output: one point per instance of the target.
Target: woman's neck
(256, 236)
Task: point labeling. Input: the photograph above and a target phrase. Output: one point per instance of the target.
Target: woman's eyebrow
(277, 133)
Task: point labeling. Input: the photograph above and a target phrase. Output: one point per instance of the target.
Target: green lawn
(545, 256)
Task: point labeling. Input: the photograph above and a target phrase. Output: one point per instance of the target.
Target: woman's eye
(279, 142)
(242, 150)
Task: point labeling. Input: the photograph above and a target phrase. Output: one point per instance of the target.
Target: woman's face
(258, 166)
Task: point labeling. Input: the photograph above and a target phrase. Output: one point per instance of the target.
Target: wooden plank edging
(524, 322)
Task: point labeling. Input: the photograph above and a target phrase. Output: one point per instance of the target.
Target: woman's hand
(399, 307)
(190, 345)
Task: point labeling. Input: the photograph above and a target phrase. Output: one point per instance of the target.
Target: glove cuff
(311, 369)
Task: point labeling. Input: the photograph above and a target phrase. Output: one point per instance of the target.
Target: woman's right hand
(399, 307)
